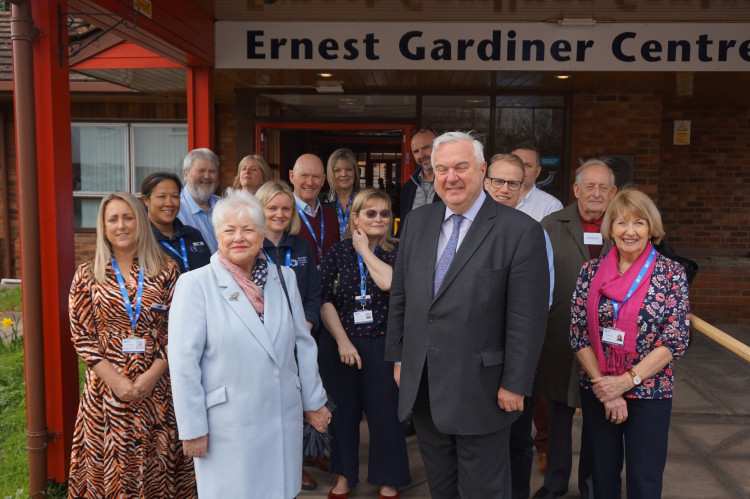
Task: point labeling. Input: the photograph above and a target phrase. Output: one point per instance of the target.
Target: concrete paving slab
(688, 478)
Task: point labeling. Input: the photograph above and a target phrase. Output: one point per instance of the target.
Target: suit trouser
(521, 447)
(560, 451)
(642, 438)
(373, 391)
(461, 466)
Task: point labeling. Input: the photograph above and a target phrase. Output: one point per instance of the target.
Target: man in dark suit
(466, 342)
(574, 234)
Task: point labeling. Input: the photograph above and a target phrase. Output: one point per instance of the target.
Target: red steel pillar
(55, 177)
(200, 104)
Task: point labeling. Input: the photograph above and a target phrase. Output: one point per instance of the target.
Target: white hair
(450, 137)
(243, 205)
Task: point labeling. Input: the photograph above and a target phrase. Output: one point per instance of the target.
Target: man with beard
(419, 189)
(197, 200)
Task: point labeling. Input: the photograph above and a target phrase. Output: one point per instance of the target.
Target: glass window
(444, 113)
(118, 156)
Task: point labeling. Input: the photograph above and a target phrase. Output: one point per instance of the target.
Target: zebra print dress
(124, 449)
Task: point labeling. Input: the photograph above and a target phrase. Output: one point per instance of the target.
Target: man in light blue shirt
(197, 200)
(533, 201)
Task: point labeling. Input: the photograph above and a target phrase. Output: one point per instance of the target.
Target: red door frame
(406, 130)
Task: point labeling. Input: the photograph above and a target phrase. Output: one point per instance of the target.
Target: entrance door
(382, 151)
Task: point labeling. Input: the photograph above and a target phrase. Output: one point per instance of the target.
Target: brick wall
(226, 144)
(9, 194)
(704, 196)
(615, 123)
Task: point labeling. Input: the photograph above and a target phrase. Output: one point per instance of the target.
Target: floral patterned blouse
(664, 320)
(341, 261)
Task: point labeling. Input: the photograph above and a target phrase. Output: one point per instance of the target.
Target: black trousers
(642, 439)
(371, 391)
(522, 447)
(461, 466)
(560, 451)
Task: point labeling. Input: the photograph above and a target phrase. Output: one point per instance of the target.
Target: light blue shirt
(538, 204)
(305, 208)
(195, 216)
(447, 227)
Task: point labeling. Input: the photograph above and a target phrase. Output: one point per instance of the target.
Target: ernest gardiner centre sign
(548, 46)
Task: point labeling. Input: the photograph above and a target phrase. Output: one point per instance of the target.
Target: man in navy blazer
(466, 353)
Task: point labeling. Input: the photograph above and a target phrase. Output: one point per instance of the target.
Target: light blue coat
(236, 380)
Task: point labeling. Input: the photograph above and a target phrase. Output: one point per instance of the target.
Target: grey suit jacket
(558, 367)
(484, 328)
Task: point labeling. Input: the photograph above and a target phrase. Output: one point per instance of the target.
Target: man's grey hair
(201, 153)
(593, 162)
(240, 203)
(450, 137)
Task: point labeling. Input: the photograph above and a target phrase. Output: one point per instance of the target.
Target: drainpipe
(5, 208)
(22, 36)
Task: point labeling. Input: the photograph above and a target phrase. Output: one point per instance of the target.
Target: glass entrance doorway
(381, 150)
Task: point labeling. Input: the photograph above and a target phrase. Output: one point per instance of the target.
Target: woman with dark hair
(630, 320)
(343, 177)
(357, 276)
(160, 193)
(125, 438)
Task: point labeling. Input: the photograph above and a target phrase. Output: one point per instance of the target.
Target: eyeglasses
(423, 130)
(374, 213)
(497, 183)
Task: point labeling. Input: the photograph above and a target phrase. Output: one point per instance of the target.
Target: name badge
(613, 336)
(133, 345)
(363, 317)
(158, 307)
(594, 238)
(363, 299)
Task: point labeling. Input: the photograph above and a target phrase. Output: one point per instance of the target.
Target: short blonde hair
(346, 155)
(364, 200)
(509, 158)
(264, 169)
(269, 190)
(150, 256)
(631, 201)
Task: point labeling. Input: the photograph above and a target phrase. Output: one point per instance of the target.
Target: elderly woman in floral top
(630, 319)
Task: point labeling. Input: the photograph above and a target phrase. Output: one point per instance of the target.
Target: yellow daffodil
(7, 322)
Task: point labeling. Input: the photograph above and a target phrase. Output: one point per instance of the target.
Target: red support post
(55, 174)
(200, 104)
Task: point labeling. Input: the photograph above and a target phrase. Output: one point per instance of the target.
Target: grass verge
(10, 297)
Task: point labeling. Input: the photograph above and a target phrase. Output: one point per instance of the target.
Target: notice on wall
(681, 133)
(143, 6)
(541, 46)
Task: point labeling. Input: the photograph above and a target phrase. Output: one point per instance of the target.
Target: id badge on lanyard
(363, 316)
(132, 344)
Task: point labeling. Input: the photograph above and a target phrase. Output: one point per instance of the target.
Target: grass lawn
(14, 467)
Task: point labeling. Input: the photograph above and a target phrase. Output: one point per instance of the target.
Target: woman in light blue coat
(239, 393)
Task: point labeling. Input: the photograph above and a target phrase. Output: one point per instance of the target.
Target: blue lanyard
(319, 244)
(124, 293)
(343, 217)
(363, 274)
(637, 281)
(182, 248)
(288, 257)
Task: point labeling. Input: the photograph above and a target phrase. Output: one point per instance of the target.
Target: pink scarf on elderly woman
(609, 283)
(252, 291)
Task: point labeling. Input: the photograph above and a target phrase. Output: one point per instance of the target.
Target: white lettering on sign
(484, 46)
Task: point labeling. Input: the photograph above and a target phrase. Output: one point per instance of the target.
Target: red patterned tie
(445, 259)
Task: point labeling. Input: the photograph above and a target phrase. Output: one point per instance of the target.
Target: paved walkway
(709, 438)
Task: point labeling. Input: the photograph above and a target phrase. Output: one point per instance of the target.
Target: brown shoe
(320, 462)
(308, 482)
(542, 462)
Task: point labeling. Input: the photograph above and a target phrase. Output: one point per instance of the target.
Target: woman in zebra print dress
(125, 442)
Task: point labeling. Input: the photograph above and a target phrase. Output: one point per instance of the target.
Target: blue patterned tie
(445, 259)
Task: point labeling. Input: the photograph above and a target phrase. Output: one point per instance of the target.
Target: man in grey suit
(575, 237)
(466, 342)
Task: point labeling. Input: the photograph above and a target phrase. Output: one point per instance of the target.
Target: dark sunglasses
(374, 213)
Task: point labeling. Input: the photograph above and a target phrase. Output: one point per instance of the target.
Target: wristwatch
(636, 379)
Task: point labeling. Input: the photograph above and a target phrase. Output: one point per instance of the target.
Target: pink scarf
(252, 291)
(609, 283)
